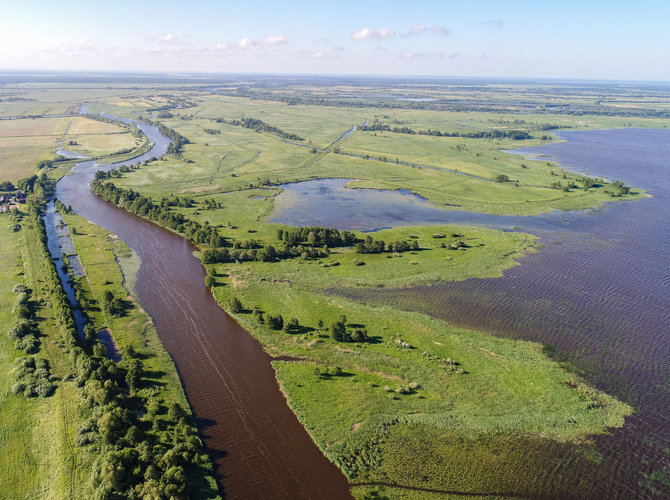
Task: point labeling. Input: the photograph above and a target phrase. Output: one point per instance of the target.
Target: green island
(375, 387)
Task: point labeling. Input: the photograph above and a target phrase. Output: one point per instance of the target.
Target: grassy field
(37, 453)
(237, 158)
(26, 142)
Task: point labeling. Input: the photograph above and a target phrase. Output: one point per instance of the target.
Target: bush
(235, 305)
(275, 322)
(292, 325)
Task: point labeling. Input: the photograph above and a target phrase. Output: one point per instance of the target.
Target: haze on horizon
(589, 40)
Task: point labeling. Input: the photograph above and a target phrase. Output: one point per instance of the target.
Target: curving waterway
(599, 290)
(259, 448)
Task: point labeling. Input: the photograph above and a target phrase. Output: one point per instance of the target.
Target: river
(259, 448)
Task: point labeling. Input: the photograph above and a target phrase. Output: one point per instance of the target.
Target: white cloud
(417, 29)
(420, 29)
(80, 48)
(309, 54)
(272, 41)
(370, 34)
(415, 55)
(269, 41)
(167, 38)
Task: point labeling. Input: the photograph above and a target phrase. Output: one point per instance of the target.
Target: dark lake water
(599, 290)
(259, 448)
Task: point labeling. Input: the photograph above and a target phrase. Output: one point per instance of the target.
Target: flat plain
(470, 404)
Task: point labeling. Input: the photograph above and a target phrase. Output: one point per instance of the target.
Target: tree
(339, 331)
(292, 325)
(134, 374)
(275, 322)
(258, 316)
(235, 305)
(502, 178)
(110, 426)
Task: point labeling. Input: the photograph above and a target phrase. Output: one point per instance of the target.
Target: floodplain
(403, 402)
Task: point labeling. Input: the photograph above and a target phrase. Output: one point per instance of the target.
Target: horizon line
(182, 74)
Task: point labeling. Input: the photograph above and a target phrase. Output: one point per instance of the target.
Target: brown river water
(259, 448)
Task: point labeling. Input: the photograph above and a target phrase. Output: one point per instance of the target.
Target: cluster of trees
(33, 377)
(587, 182)
(112, 305)
(211, 204)
(304, 242)
(212, 131)
(340, 333)
(261, 126)
(144, 207)
(264, 253)
(370, 245)
(517, 135)
(173, 102)
(178, 140)
(559, 185)
(339, 330)
(619, 189)
(40, 186)
(24, 332)
(157, 456)
(177, 201)
(316, 236)
(115, 172)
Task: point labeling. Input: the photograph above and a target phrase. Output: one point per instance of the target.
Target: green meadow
(485, 415)
(417, 387)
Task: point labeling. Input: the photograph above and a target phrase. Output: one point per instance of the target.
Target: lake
(599, 290)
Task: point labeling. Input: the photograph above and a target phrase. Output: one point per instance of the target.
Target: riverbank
(37, 451)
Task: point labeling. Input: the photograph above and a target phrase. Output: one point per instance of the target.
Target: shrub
(235, 305)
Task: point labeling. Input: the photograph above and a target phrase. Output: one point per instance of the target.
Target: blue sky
(568, 39)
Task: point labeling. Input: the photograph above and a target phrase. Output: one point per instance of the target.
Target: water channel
(259, 448)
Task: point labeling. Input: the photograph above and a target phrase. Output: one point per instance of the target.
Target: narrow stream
(259, 448)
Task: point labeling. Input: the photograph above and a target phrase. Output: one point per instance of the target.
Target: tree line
(132, 201)
(178, 140)
(147, 447)
(261, 126)
(516, 135)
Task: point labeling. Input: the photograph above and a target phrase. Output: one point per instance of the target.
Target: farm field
(26, 142)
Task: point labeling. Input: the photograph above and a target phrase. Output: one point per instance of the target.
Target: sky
(620, 40)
